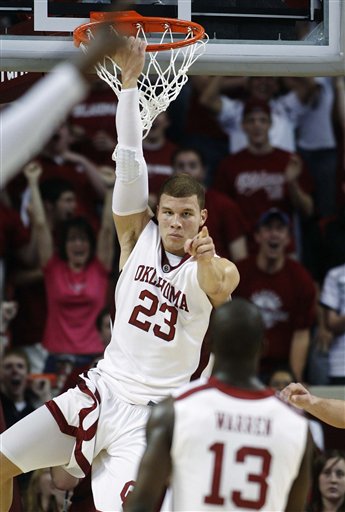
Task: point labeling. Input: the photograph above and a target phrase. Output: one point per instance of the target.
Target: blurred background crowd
(271, 155)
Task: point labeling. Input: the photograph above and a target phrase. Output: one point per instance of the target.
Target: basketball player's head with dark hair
(237, 331)
(180, 212)
(183, 185)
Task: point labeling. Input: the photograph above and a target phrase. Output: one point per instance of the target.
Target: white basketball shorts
(92, 425)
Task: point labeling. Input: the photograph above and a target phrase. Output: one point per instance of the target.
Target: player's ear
(204, 215)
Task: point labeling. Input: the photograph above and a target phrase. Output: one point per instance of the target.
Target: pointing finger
(203, 233)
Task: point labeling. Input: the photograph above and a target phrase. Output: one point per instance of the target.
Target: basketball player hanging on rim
(171, 279)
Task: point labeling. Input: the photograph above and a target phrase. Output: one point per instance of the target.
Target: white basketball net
(158, 85)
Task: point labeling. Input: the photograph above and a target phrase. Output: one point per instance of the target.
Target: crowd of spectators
(271, 155)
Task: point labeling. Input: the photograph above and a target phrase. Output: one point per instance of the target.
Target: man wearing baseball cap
(273, 213)
(284, 292)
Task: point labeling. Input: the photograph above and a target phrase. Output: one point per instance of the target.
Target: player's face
(179, 219)
(66, 205)
(332, 479)
(77, 248)
(256, 125)
(273, 238)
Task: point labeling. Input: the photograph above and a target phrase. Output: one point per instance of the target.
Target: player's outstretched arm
(329, 410)
(217, 277)
(130, 198)
(155, 466)
(54, 96)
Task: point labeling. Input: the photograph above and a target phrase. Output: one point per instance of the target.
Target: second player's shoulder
(190, 388)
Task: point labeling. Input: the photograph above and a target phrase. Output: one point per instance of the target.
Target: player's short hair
(183, 185)
(237, 330)
(79, 224)
(52, 189)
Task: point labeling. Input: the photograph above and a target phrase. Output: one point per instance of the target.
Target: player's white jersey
(233, 449)
(161, 318)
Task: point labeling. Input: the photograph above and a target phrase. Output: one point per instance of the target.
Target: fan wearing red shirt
(262, 176)
(76, 278)
(59, 201)
(284, 292)
(225, 221)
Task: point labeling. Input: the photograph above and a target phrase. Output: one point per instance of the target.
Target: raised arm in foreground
(45, 106)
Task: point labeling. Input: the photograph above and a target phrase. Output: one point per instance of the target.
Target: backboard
(276, 37)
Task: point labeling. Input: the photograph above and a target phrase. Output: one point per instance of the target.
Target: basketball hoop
(158, 85)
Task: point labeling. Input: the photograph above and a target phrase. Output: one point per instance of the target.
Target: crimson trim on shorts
(247, 394)
(78, 432)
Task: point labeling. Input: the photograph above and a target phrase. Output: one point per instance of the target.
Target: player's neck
(242, 376)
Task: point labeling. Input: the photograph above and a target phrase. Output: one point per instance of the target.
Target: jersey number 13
(259, 478)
